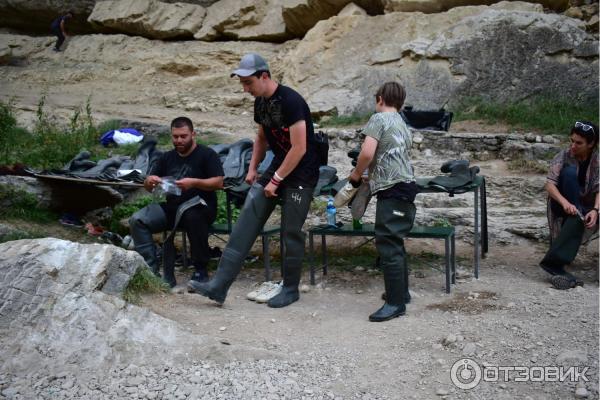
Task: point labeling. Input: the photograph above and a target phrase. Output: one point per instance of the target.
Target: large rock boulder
(60, 312)
(507, 51)
(149, 18)
(435, 6)
(246, 20)
(301, 17)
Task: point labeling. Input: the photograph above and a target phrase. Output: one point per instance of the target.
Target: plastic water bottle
(331, 211)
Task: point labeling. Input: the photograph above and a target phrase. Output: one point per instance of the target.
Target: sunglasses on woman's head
(584, 127)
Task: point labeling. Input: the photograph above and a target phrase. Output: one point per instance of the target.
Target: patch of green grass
(20, 235)
(52, 142)
(143, 282)
(23, 205)
(345, 120)
(222, 209)
(548, 114)
(109, 125)
(442, 221)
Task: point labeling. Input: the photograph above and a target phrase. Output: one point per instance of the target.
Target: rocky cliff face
(508, 51)
(504, 51)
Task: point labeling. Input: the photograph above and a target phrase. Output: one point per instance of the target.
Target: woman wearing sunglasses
(572, 186)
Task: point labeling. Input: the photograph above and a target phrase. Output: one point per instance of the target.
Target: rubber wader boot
(253, 216)
(407, 297)
(289, 292)
(148, 251)
(142, 224)
(216, 288)
(393, 220)
(296, 202)
(394, 288)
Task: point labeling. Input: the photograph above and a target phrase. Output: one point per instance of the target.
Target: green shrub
(20, 235)
(23, 205)
(144, 281)
(52, 143)
(442, 222)
(9, 133)
(547, 114)
(222, 209)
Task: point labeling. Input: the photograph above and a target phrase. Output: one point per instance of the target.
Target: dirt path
(509, 317)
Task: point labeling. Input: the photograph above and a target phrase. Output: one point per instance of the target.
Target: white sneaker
(260, 289)
(269, 294)
(344, 196)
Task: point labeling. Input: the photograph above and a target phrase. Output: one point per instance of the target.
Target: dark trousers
(394, 218)
(564, 248)
(60, 38)
(295, 203)
(195, 222)
(569, 188)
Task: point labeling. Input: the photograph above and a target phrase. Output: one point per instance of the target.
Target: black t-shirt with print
(276, 114)
(202, 163)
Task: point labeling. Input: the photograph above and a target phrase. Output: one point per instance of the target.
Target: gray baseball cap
(249, 64)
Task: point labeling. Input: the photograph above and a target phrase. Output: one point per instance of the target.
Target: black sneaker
(562, 282)
(566, 281)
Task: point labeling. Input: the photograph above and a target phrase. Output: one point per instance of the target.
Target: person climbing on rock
(59, 30)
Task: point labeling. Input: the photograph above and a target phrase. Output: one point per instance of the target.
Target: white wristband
(277, 176)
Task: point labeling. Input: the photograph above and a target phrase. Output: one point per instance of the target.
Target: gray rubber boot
(296, 203)
(216, 288)
(150, 219)
(253, 216)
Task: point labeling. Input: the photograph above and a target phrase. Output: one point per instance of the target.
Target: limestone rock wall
(507, 51)
(149, 18)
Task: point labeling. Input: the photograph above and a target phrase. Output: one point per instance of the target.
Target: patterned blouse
(391, 163)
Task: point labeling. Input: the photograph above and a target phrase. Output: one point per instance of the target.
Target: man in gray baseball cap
(285, 126)
(250, 64)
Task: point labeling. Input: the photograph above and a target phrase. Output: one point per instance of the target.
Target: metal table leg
(453, 255)
(267, 259)
(311, 258)
(448, 266)
(324, 250)
(477, 243)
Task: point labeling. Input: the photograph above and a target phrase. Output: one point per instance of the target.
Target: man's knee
(151, 218)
